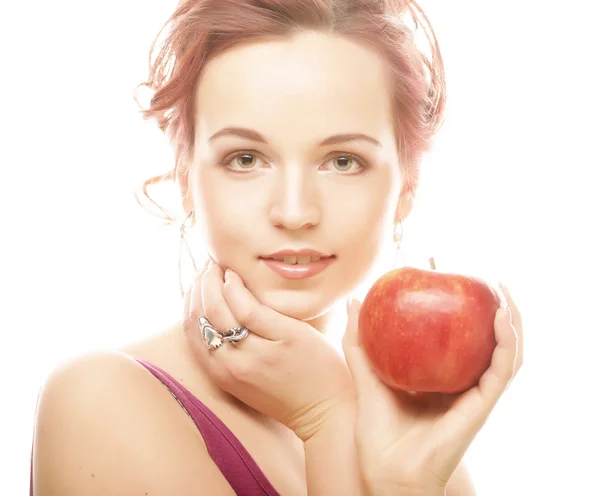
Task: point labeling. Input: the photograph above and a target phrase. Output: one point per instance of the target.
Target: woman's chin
(300, 305)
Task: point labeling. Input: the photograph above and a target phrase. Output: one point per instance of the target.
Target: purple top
(226, 450)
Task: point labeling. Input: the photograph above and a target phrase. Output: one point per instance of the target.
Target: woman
(297, 127)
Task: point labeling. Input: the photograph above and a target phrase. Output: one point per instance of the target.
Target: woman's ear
(405, 205)
(182, 177)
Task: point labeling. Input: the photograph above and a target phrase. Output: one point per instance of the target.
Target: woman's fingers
(516, 315)
(508, 355)
(372, 394)
(216, 309)
(472, 409)
(504, 365)
(193, 309)
(517, 322)
(258, 318)
(187, 296)
(365, 380)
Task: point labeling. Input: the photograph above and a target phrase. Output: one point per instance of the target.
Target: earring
(398, 235)
(183, 230)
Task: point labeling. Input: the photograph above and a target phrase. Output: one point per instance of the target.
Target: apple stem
(432, 263)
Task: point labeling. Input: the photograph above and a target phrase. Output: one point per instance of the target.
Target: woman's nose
(296, 202)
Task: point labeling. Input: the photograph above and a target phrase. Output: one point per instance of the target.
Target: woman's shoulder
(97, 381)
(99, 367)
(106, 426)
(93, 380)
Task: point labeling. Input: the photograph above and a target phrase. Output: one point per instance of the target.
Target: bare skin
(106, 426)
(278, 452)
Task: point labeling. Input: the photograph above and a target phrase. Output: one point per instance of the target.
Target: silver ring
(212, 338)
(235, 334)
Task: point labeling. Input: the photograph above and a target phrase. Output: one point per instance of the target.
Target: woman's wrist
(382, 488)
(339, 418)
(326, 418)
(330, 455)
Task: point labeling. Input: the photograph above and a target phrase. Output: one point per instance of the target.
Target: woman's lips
(303, 270)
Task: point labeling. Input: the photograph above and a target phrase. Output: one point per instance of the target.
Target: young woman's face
(295, 150)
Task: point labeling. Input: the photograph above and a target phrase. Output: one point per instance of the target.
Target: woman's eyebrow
(342, 138)
(251, 134)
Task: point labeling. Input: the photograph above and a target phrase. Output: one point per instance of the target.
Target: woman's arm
(415, 444)
(332, 466)
(106, 427)
(330, 457)
(460, 483)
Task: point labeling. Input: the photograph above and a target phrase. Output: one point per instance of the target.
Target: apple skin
(429, 332)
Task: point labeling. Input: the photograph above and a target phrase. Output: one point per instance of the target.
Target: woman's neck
(325, 323)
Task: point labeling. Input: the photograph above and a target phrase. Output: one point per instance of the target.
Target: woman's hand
(284, 369)
(412, 444)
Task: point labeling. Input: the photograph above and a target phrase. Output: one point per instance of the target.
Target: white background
(511, 190)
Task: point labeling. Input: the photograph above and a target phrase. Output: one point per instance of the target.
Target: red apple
(428, 331)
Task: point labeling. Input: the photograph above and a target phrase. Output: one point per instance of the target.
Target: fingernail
(227, 273)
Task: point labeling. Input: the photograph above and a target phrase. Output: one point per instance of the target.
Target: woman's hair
(201, 29)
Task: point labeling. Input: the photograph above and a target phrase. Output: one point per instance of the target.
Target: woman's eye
(248, 161)
(243, 161)
(345, 163)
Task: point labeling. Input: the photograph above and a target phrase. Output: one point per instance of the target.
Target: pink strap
(229, 455)
(225, 449)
